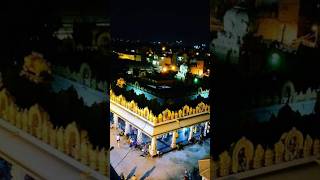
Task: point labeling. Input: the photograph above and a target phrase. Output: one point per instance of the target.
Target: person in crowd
(134, 177)
(131, 142)
(186, 174)
(118, 140)
(122, 176)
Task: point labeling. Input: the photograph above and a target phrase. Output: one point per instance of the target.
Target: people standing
(145, 149)
(122, 176)
(131, 142)
(134, 177)
(186, 174)
(118, 140)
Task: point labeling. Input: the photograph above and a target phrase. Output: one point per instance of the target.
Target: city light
(195, 80)
(180, 58)
(163, 48)
(275, 60)
(314, 28)
(164, 69)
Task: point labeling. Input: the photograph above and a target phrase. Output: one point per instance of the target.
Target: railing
(134, 85)
(310, 94)
(69, 140)
(89, 81)
(246, 157)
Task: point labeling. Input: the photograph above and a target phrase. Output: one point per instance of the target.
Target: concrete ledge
(265, 170)
(23, 169)
(37, 143)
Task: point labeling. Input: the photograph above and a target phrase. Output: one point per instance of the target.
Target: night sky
(20, 20)
(165, 20)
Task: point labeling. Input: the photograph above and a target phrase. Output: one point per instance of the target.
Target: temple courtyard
(171, 165)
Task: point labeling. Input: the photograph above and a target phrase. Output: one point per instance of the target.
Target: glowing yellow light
(314, 28)
(164, 69)
(173, 68)
(163, 48)
(121, 82)
(126, 56)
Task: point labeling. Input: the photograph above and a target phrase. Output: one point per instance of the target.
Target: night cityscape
(166, 87)
(161, 90)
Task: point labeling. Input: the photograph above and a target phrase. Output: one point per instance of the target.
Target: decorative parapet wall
(166, 115)
(292, 145)
(151, 94)
(70, 140)
(303, 102)
(83, 77)
(294, 97)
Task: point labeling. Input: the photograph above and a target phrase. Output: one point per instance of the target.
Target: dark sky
(163, 20)
(158, 20)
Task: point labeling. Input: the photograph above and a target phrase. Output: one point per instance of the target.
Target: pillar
(153, 146)
(174, 139)
(190, 133)
(139, 137)
(127, 128)
(115, 120)
(205, 128)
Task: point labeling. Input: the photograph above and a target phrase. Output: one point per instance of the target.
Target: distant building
(197, 68)
(165, 61)
(284, 27)
(132, 57)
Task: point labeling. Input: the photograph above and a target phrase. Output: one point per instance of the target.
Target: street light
(195, 80)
